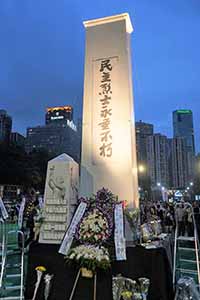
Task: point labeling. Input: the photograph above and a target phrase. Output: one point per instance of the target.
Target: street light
(158, 184)
(141, 169)
(191, 183)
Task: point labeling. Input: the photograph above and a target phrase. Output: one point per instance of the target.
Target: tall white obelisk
(108, 140)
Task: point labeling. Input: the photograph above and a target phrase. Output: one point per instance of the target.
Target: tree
(18, 167)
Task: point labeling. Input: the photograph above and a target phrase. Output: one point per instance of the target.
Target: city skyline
(42, 59)
(77, 121)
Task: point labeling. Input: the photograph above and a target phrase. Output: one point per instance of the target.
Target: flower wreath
(94, 228)
(94, 231)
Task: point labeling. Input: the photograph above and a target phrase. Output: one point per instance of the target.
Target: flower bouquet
(118, 284)
(40, 271)
(126, 295)
(133, 218)
(127, 288)
(144, 287)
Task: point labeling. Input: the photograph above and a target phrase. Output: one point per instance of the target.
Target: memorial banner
(21, 213)
(120, 243)
(68, 238)
(3, 209)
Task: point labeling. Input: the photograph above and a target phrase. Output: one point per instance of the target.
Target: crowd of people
(170, 214)
(167, 213)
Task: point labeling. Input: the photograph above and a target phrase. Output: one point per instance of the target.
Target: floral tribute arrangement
(93, 246)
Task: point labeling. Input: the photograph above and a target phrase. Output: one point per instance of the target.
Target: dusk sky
(42, 57)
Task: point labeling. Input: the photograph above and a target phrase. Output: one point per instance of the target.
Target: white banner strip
(69, 235)
(120, 243)
(4, 212)
(21, 213)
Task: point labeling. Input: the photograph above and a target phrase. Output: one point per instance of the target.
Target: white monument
(61, 191)
(108, 140)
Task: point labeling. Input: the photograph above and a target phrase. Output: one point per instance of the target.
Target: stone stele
(61, 191)
(108, 138)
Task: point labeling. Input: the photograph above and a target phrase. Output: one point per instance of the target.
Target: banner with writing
(3, 209)
(69, 236)
(120, 242)
(21, 213)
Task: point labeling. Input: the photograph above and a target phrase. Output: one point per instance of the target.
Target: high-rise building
(178, 167)
(59, 115)
(143, 130)
(17, 139)
(56, 140)
(183, 127)
(56, 137)
(157, 159)
(5, 126)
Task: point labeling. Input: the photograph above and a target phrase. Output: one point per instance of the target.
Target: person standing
(196, 211)
(189, 222)
(180, 214)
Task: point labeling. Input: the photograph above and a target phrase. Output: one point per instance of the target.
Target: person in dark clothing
(197, 217)
(168, 221)
(189, 222)
(30, 226)
(160, 214)
(30, 222)
(180, 215)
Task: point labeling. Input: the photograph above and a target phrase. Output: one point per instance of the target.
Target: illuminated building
(183, 127)
(5, 126)
(59, 115)
(57, 136)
